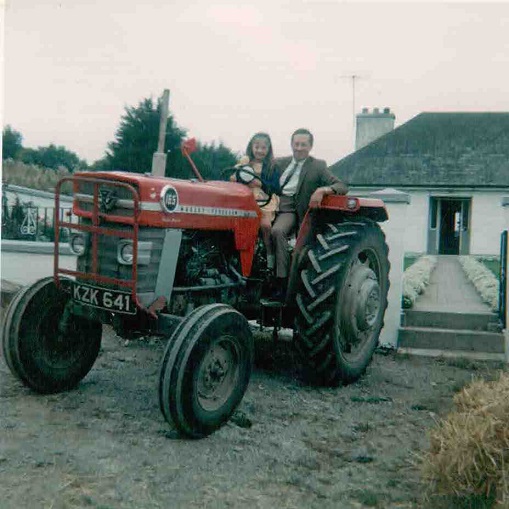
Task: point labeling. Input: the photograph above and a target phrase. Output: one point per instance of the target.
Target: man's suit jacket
(314, 174)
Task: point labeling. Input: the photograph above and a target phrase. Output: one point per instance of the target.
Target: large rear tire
(205, 370)
(48, 349)
(341, 300)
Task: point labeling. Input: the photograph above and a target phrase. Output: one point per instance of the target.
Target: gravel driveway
(106, 445)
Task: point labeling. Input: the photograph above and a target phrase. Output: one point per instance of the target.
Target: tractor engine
(207, 271)
(154, 244)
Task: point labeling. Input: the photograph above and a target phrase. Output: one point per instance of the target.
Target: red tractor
(180, 259)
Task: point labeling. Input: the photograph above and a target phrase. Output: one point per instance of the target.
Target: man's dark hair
(304, 131)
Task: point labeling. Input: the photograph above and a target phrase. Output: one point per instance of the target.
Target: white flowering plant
(416, 278)
(485, 282)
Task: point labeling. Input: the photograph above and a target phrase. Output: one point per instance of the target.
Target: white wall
(416, 227)
(397, 206)
(38, 198)
(488, 220)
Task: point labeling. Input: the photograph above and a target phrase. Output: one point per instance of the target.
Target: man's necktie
(290, 174)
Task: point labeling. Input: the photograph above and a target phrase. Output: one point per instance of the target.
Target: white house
(454, 166)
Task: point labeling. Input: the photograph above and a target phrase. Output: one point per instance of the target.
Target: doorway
(449, 226)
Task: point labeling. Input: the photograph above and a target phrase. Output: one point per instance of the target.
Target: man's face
(301, 146)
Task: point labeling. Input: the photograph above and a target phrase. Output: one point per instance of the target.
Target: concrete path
(450, 291)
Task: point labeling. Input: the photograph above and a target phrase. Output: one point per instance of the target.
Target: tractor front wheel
(205, 370)
(46, 347)
(341, 299)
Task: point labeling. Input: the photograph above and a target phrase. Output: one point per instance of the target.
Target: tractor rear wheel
(341, 299)
(206, 369)
(47, 348)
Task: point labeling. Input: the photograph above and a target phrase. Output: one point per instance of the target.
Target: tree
(137, 136)
(51, 157)
(211, 160)
(136, 141)
(11, 143)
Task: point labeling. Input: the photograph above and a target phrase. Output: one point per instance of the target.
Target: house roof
(434, 150)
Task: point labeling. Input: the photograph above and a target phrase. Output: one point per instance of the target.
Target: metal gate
(502, 294)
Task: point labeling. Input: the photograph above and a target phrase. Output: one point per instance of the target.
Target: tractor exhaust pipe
(159, 157)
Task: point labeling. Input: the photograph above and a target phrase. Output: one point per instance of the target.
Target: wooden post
(159, 157)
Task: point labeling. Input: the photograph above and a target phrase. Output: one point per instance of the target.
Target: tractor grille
(107, 257)
(121, 198)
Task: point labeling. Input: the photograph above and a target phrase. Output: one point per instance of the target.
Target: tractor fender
(332, 209)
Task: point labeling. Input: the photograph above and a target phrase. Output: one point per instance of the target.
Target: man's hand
(317, 196)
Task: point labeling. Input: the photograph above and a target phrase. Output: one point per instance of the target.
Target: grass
(410, 259)
(463, 363)
(453, 502)
(487, 367)
(369, 498)
(492, 263)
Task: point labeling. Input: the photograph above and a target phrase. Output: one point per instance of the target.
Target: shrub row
(416, 278)
(483, 279)
(34, 177)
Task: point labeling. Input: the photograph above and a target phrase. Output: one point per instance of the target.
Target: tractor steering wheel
(245, 175)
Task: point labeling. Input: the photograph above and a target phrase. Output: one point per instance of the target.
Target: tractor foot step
(271, 315)
(268, 303)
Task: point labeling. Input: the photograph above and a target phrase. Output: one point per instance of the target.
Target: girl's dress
(261, 193)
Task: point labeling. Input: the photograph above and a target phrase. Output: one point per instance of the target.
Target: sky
(71, 67)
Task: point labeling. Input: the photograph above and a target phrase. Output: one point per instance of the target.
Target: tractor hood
(170, 203)
(173, 200)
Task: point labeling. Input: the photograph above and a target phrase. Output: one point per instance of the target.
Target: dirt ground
(106, 445)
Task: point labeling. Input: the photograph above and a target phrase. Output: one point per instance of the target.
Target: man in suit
(304, 182)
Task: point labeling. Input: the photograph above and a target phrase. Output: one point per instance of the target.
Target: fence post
(506, 330)
(396, 203)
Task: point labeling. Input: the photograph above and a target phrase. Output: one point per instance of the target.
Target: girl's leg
(265, 227)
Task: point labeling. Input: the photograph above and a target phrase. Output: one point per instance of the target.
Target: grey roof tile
(434, 149)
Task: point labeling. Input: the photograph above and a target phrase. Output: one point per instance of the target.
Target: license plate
(103, 298)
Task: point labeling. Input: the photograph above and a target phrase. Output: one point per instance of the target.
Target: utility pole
(159, 157)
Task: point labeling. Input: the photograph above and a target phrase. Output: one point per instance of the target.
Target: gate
(23, 221)
(502, 294)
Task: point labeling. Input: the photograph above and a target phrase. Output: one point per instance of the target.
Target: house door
(449, 226)
(450, 211)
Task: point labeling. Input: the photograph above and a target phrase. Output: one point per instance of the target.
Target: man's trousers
(284, 225)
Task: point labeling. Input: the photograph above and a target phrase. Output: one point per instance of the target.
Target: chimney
(370, 126)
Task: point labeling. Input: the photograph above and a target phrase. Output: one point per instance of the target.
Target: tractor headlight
(78, 243)
(125, 252)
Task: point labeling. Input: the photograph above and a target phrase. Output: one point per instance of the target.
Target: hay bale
(469, 453)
